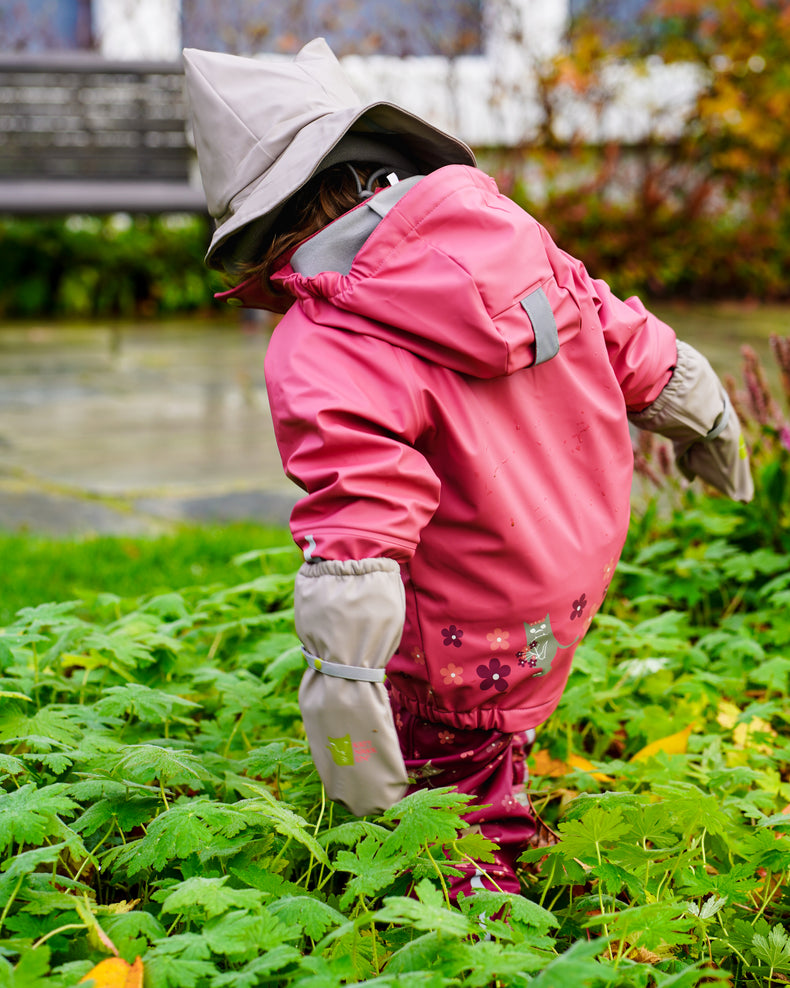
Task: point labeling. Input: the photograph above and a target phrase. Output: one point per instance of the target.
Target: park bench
(79, 133)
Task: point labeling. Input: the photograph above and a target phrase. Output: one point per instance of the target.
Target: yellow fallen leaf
(742, 734)
(115, 972)
(544, 764)
(576, 761)
(727, 714)
(675, 744)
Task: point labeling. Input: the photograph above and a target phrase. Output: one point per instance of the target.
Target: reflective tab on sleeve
(344, 672)
(544, 325)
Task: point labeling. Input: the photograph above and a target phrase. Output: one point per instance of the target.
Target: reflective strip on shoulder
(343, 672)
(544, 325)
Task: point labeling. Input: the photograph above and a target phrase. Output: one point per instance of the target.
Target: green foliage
(100, 569)
(704, 213)
(156, 789)
(83, 266)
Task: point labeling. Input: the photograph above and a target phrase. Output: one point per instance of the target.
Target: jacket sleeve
(349, 618)
(671, 389)
(641, 347)
(695, 412)
(346, 422)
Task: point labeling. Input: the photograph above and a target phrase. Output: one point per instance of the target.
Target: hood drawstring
(368, 190)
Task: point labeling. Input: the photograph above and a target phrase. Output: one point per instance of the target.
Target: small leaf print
(498, 639)
(452, 674)
(452, 636)
(494, 674)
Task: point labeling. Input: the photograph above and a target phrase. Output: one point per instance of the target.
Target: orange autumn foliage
(115, 972)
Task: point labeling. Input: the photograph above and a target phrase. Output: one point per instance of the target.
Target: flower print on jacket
(446, 737)
(498, 639)
(494, 674)
(578, 607)
(453, 636)
(419, 656)
(452, 674)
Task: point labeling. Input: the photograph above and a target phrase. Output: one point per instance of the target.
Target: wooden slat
(79, 132)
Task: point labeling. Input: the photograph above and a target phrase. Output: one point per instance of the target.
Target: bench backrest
(84, 119)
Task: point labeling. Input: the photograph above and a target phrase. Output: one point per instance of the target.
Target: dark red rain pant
(489, 765)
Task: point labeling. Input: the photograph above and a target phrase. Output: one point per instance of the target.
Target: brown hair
(324, 198)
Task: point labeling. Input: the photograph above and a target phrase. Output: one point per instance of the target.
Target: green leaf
(310, 914)
(518, 908)
(207, 897)
(119, 644)
(577, 966)
(774, 674)
(773, 949)
(427, 912)
(693, 810)
(373, 870)
(166, 971)
(11, 766)
(31, 970)
(240, 936)
(50, 615)
(148, 762)
(147, 704)
(131, 925)
(48, 727)
(277, 815)
(30, 815)
(425, 818)
(598, 828)
(192, 826)
(258, 971)
(656, 924)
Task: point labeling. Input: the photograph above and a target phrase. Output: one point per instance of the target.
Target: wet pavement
(130, 428)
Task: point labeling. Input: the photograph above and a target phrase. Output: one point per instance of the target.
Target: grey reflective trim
(382, 202)
(724, 418)
(544, 326)
(343, 672)
(335, 247)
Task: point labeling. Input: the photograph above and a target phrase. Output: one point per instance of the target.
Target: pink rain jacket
(419, 402)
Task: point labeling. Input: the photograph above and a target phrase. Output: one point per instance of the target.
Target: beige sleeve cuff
(695, 413)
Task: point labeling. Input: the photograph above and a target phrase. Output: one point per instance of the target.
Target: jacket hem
(508, 721)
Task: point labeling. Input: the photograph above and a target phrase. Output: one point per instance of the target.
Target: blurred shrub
(103, 266)
(703, 214)
(764, 414)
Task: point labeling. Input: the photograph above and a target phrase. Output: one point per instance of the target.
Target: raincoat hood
(434, 280)
(264, 127)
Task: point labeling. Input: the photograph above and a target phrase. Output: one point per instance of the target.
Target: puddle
(137, 409)
(180, 409)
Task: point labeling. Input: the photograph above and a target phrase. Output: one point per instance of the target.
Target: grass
(36, 569)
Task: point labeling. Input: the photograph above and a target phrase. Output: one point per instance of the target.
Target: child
(453, 392)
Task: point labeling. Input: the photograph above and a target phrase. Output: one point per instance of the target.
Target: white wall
(487, 99)
(138, 29)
